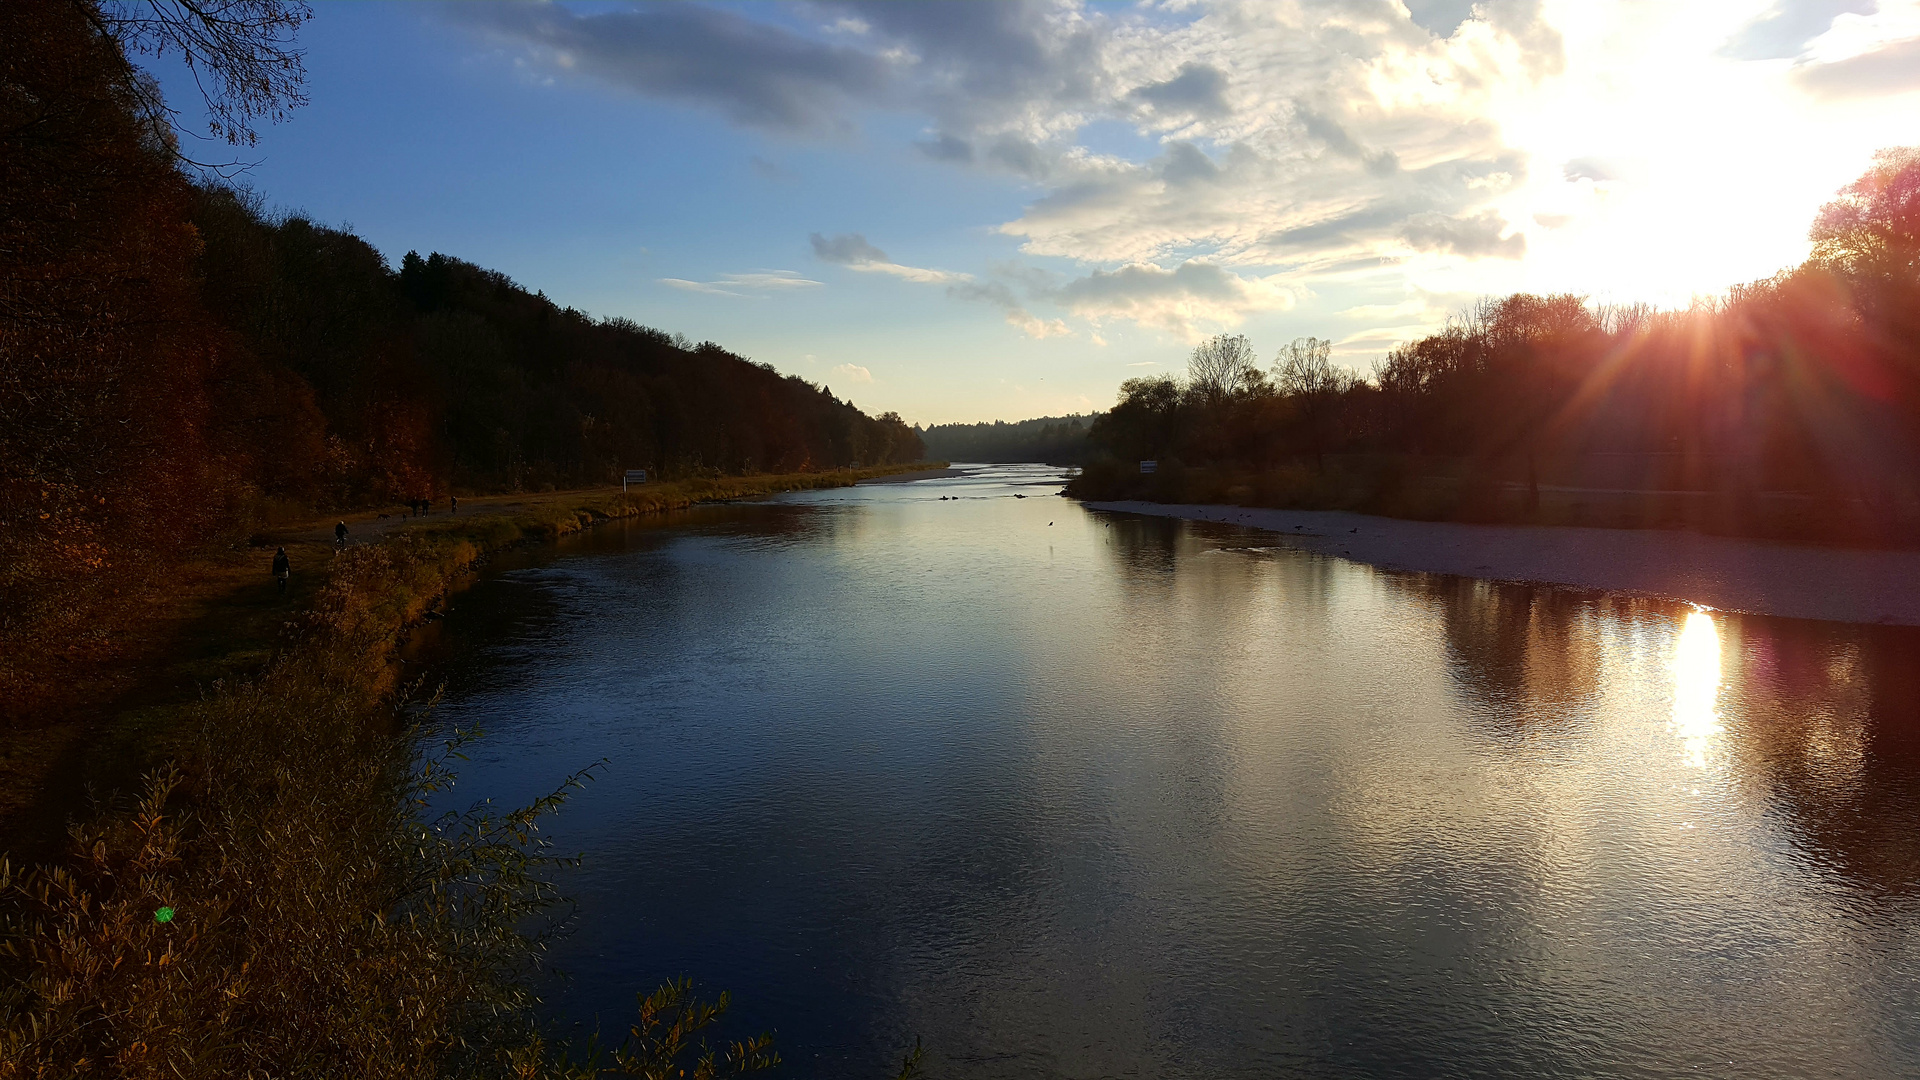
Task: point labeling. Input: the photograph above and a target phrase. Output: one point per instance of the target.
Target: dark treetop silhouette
(1792, 404)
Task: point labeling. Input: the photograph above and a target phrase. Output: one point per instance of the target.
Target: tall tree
(1222, 366)
(1870, 235)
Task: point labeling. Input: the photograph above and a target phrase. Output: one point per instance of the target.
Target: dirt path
(373, 524)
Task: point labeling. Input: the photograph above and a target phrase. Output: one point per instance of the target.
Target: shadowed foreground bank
(273, 898)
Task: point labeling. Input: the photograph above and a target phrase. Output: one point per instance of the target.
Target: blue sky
(1000, 211)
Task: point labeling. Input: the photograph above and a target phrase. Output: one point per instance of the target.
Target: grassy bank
(108, 705)
(1504, 492)
(271, 899)
(507, 519)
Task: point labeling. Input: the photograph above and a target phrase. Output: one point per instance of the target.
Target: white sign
(634, 476)
(1148, 466)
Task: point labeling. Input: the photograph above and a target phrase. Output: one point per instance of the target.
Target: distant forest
(1791, 406)
(1054, 440)
(176, 362)
(448, 374)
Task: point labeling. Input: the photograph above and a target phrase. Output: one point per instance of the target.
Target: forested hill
(381, 384)
(1056, 440)
(176, 363)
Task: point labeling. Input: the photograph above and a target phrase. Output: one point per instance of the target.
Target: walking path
(364, 525)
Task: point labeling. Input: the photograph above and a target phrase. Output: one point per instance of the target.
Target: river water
(1070, 794)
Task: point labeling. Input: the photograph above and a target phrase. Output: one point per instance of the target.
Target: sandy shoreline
(1757, 576)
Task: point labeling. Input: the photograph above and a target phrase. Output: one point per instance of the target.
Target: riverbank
(1762, 577)
(218, 617)
(1649, 492)
(941, 473)
(268, 897)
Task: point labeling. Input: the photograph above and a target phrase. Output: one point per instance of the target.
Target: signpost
(634, 476)
(1148, 466)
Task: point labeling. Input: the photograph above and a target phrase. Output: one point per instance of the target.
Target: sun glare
(1653, 140)
(1696, 686)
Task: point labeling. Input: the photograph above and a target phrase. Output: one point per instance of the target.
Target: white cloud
(1856, 34)
(1272, 149)
(852, 251)
(1299, 135)
(1379, 339)
(1416, 306)
(1036, 327)
(1000, 295)
(919, 274)
(730, 284)
(697, 286)
(852, 373)
(1292, 129)
(775, 280)
(1187, 301)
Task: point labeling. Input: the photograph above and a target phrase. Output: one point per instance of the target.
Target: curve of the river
(1074, 794)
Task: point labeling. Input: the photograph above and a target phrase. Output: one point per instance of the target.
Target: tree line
(177, 362)
(1803, 384)
(1053, 440)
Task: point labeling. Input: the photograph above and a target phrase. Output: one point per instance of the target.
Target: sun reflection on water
(1696, 686)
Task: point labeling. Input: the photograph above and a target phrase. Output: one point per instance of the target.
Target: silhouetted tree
(1805, 383)
(1304, 372)
(1870, 235)
(1222, 366)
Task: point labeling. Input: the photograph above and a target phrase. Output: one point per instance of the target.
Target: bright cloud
(1387, 151)
(852, 373)
(1036, 327)
(920, 274)
(1000, 295)
(853, 252)
(775, 280)
(731, 284)
(1187, 301)
(711, 288)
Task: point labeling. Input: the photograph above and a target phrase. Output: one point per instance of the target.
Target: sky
(978, 211)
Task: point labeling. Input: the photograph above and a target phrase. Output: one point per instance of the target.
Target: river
(1072, 794)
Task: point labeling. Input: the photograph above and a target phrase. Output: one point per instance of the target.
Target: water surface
(1067, 794)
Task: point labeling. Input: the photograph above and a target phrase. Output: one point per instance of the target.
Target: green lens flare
(163, 915)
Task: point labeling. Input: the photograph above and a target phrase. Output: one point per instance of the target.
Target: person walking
(454, 504)
(282, 569)
(340, 535)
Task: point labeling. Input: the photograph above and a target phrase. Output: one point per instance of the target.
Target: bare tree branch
(1222, 365)
(240, 53)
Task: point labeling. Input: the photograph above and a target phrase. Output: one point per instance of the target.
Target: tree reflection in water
(1821, 721)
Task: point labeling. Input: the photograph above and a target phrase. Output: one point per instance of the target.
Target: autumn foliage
(178, 365)
(1789, 407)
